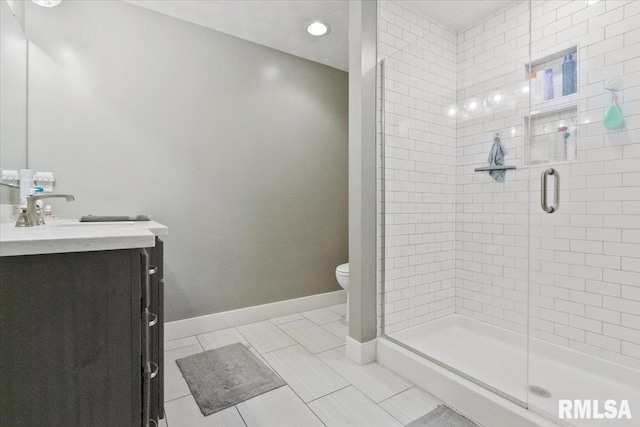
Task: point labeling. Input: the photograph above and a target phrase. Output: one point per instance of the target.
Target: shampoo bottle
(572, 148)
(569, 75)
(533, 88)
(561, 143)
(548, 84)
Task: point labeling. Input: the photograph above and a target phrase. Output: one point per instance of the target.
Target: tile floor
(324, 388)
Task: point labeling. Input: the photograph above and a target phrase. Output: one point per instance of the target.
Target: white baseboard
(361, 353)
(228, 319)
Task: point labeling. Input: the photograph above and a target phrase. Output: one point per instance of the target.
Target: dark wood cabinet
(72, 338)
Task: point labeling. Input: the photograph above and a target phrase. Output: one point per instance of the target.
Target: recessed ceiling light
(317, 28)
(47, 3)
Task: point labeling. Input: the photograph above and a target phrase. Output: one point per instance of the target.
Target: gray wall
(13, 91)
(240, 149)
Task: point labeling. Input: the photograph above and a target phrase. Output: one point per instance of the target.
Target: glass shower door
(455, 235)
(584, 280)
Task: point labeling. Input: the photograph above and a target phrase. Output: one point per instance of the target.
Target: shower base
(498, 358)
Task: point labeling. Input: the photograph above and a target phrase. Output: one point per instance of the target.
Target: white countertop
(73, 236)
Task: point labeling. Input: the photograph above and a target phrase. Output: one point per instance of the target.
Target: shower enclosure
(519, 273)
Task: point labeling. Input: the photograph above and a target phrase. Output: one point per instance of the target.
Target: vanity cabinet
(80, 343)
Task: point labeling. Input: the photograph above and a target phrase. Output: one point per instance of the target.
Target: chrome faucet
(30, 216)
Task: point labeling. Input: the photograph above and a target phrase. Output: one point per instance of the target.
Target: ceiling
(280, 24)
(274, 23)
(456, 14)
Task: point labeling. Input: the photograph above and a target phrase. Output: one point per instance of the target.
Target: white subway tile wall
(578, 269)
(491, 217)
(420, 167)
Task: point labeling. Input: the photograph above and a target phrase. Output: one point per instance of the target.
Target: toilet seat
(343, 270)
(342, 276)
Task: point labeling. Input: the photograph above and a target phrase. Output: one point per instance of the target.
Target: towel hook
(614, 85)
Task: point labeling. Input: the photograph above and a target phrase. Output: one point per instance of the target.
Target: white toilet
(342, 275)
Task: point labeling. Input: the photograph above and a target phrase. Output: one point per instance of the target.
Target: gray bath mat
(443, 416)
(226, 376)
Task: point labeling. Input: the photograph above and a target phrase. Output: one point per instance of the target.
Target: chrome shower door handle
(556, 190)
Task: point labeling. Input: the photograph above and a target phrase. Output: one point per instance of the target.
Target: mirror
(13, 88)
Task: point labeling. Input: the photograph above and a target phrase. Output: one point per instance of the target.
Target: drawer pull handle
(153, 270)
(146, 280)
(154, 371)
(154, 319)
(146, 395)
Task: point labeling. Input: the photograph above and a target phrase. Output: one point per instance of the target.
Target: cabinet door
(69, 328)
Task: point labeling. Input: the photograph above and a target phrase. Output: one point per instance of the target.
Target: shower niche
(553, 79)
(551, 136)
(551, 128)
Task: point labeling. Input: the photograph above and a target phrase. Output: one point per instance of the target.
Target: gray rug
(226, 376)
(443, 416)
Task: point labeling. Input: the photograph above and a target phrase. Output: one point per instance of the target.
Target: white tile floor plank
(311, 336)
(184, 412)
(265, 336)
(339, 309)
(180, 342)
(340, 329)
(221, 338)
(305, 373)
(321, 316)
(349, 407)
(285, 319)
(307, 351)
(373, 379)
(278, 408)
(174, 384)
(410, 404)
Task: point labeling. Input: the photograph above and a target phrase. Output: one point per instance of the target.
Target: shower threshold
(498, 357)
